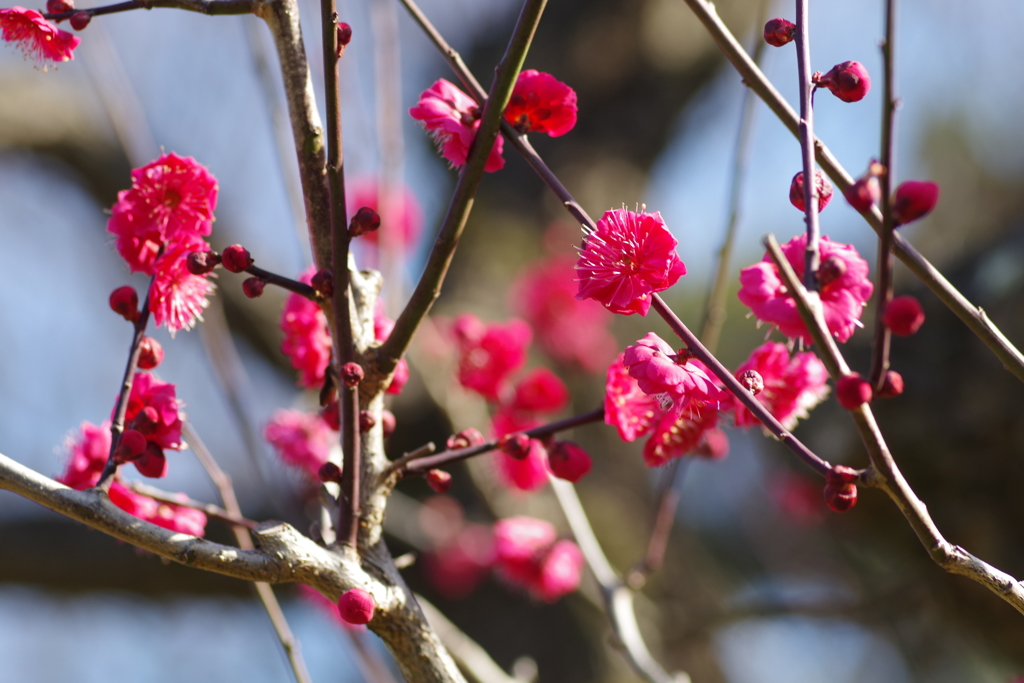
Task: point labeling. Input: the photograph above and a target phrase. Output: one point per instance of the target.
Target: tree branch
(812, 256)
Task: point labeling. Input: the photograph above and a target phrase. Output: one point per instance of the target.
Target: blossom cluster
(159, 222)
(35, 36)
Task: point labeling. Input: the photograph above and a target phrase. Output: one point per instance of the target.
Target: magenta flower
(169, 198)
(154, 410)
(488, 354)
(629, 257)
(306, 340)
(382, 326)
(676, 435)
(528, 555)
(301, 439)
(676, 385)
(845, 288)
(406, 215)
(452, 118)
(87, 455)
(458, 566)
(632, 412)
(524, 474)
(792, 386)
(570, 330)
(560, 571)
(540, 103)
(848, 81)
(184, 520)
(36, 37)
(176, 296)
(541, 391)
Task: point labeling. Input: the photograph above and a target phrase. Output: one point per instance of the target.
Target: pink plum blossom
(632, 412)
(452, 118)
(405, 218)
(176, 296)
(35, 36)
(488, 354)
(306, 340)
(540, 103)
(676, 384)
(792, 386)
(301, 439)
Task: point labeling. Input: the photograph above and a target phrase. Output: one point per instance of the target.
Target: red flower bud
(568, 461)
(79, 20)
(365, 220)
(366, 421)
(752, 381)
(344, 37)
(151, 354)
(848, 81)
(714, 445)
(903, 316)
(830, 270)
(146, 420)
(821, 184)
(515, 445)
(387, 423)
(439, 480)
(840, 488)
(202, 262)
(892, 385)
(778, 32)
(152, 463)
(356, 606)
(465, 439)
(236, 258)
(323, 283)
(59, 6)
(125, 302)
(331, 414)
(853, 391)
(351, 374)
(864, 193)
(329, 472)
(253, 287)
(914, 199)
(131, 446)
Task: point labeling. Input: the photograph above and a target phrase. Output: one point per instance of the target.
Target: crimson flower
(540, 103)
(170, 197)
(628, 258)
(176, 296)
(632, 412)
(452, 119)
(301, 439)
(184, 520)
(676, 384)
(525, 474)
(792, 386)
(845, 288)
(528, 555)
(162, 425)
(676, 435)
(541, 391)
(488, 354)
(35, 36)
(306, 340)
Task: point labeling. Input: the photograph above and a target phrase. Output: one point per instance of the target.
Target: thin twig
(266, 595)
(182, 500)
(618, 597)
(211, 7)
(884, 473)
(733, 386)
(661, 529)
(812, 257)
(421, 452)
(973, 316)
(429, 286)
(300, 288)
(451, 457)
(883, 337)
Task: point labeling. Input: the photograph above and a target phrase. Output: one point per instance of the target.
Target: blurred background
(760, 582)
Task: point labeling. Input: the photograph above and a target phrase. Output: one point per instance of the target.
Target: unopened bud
(853, 391)
(568, 461)
(236, 258)
(830, 270)
(387, 423)
(356, 606)
(840, 488)
(151, 354)
(125, 302)
(146, 420)
(903, 316)
(439, 480)
(714, 445)
(465, 439)
(329, 472)
(848, 81)
(515, 445)
(202, 262)
(253, 287)
(79, 20)
(914, 199)
(864, 193)
(331, 414)
(344, 37)
(752, 381)
(366, 421)
(351, 374)
(152, 463)
(821, 184)
(323, 283)
(59, 6)
(892, 385)
(131, 446)
(365, 220)
(778, 32)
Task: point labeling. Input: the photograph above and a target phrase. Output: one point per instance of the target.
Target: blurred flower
(676, 435)
(382, 326)
(629, 257)
(179, 518)
(540, 103)
(154, 410)
(36, 37)
(843, 292)
(306, 340)
(792, 386)
(914, 199)
(488, 354)
(452, 118)
(541, 391)
(528, 555)
(405, 220)
(87, 455)
(456, 568)
(301, 439)
(528, 473)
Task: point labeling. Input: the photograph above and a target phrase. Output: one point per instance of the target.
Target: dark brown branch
(210, 7)
(300, 288)
(812, 257)
(664, 518)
